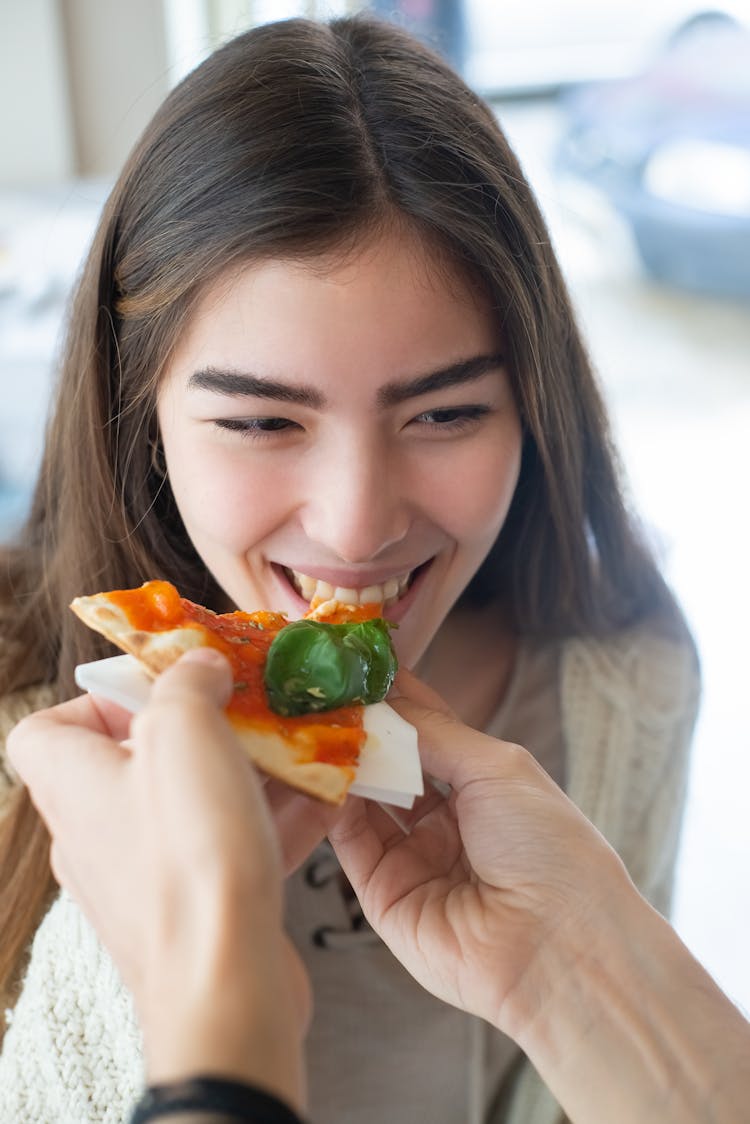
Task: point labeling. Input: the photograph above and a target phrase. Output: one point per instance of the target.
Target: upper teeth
(315, 591)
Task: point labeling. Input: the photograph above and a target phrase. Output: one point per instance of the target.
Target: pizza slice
(300, 687)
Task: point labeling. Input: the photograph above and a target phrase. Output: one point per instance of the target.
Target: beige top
(614, 716)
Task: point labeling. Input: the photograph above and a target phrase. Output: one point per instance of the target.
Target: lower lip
(393, 612)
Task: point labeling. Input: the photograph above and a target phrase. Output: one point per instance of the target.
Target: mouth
(388, 593)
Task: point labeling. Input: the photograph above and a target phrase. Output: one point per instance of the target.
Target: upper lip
(352, 579)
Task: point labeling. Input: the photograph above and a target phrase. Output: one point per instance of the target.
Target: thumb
(409, 688)
(449, 750)
(202, 672)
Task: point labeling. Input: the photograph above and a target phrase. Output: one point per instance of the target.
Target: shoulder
(13, 708)
(629, 703)
(649, 672)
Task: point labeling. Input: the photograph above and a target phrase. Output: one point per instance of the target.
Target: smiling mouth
(315, 591)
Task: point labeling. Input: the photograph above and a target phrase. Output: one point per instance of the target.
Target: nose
(356, 501)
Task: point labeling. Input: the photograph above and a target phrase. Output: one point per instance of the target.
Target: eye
(452, 419)
(257, 428)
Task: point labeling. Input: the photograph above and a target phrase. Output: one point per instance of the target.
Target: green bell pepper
(313, 666)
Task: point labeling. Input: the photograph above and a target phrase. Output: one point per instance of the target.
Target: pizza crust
(155, 651)
(273, 754)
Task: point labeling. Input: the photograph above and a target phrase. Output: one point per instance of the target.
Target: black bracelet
(235, 1099)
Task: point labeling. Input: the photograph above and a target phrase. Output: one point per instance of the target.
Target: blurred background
(632, 121)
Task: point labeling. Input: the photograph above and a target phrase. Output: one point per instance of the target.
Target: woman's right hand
(470, 898)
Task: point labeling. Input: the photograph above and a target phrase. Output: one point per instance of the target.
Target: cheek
(222, 498)
(476, 494)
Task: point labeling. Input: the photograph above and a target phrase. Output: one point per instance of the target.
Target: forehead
(389, 302)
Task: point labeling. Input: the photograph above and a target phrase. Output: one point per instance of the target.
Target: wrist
(231, 1009)
(204, 1097)
(577, 1013)
(623, 1024)
(569, 939)
(260, 1044)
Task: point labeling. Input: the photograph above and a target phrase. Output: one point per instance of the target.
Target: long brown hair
(294, 139)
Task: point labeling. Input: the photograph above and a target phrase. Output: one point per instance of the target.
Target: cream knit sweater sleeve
(72, 1051)
(629, 707)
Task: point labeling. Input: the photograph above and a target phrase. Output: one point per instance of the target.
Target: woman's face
(343, 427)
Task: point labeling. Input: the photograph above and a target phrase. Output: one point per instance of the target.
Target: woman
(321, 337)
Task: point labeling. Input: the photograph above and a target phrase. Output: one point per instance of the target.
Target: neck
(470, 662)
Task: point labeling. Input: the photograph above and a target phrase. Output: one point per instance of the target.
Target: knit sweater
(72, 1053)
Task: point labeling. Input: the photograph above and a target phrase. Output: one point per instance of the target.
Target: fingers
(55, 757)
(443, 738)
(407, 686)
(448, 750)
(114, 720)
(357, 840)
(191, 759)
(301, 822)
(84, 714)
(452, 752)
(83, 732)
(49, 748)
(184, 720)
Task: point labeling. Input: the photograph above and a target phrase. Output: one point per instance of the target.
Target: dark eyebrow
(241, 384)
(467, 370)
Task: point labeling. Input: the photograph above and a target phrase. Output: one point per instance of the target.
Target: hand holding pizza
(505, 901)
(168, 846)
(468, 899)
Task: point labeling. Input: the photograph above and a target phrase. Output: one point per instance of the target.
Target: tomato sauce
(334, 737)
(349, 614)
